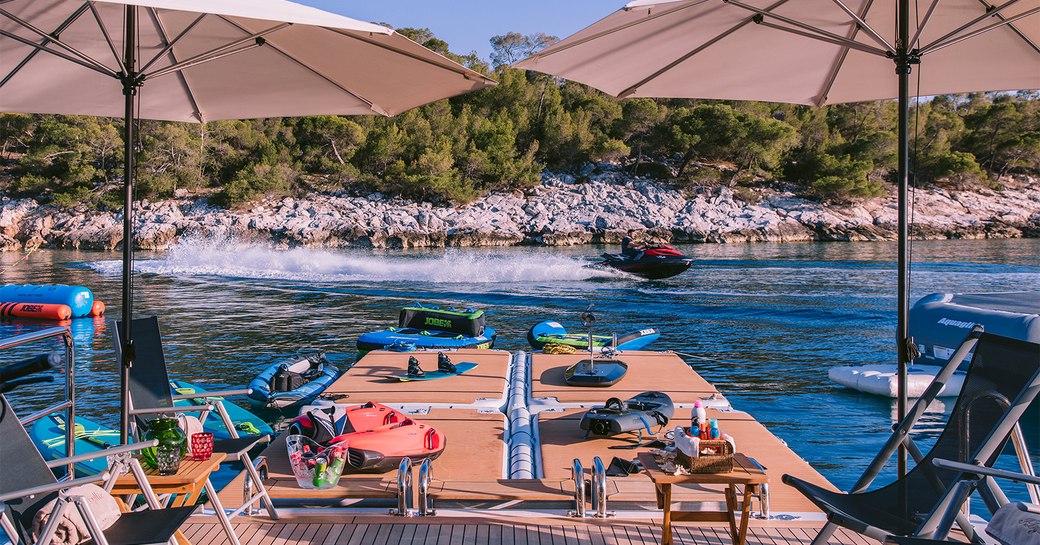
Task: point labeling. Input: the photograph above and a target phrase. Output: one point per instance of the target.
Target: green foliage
(501, 138)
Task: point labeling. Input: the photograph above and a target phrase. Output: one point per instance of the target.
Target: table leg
(731, 512)
(745, 514)
(666, 527)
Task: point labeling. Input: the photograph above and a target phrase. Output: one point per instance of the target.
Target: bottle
(714, 432)
(701, 416)
(695, 420)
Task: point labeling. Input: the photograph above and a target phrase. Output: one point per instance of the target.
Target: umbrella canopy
(204, 60)
(799, 51)
(810, 52)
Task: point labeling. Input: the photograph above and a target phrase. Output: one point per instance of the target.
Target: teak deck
(470, 471)
(496, 531)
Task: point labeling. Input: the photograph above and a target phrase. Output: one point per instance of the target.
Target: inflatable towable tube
(553, 332)
(79, 299)
(432, 328)
(40, 311)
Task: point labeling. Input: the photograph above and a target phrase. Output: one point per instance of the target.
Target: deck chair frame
(121, 462)
(253, 493)
(948, 510)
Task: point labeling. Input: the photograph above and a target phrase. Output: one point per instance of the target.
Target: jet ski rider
(628, 249)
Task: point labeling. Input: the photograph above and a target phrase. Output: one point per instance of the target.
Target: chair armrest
(219, 393)
(101, 453)
(172, 410)
(53, 487)
(985, 471)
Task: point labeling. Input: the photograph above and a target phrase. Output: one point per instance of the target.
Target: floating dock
(514, 416)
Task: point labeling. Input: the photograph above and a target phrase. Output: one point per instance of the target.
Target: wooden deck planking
(503, 532)
(646, 371)
(367, 379)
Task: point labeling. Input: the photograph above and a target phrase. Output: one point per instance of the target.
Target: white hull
(882, 379)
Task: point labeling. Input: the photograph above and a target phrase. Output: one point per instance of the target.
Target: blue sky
(467, 25)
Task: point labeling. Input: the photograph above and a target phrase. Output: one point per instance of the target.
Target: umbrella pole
(905, 59)
(130, 85)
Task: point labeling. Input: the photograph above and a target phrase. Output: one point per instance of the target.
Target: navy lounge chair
(29, 484)
(1003, 379)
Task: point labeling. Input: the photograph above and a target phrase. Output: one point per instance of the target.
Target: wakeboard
(460, 368)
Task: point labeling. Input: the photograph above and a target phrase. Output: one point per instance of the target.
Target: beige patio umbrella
(809, 52)
(204, 60)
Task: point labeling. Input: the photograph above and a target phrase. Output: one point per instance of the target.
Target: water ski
(595, 373)
(445, 368)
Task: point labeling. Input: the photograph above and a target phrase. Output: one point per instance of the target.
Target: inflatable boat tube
(553, 332)
(39, 311)
(48, 434)
(939, 322)
(643, 412)
(245, 422)
(79, 299)
(423, 338)
(883, 380)
(294, 381)
(381, 449)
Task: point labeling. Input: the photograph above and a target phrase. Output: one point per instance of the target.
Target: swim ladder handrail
(404, 488)
(578, 475)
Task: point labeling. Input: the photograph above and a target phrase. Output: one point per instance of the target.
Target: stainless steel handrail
(599, 488)
(425, 478)
(578, 474)
(69, 403)
(404, 488)
(763, 493)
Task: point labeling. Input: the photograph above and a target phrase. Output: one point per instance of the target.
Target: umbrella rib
(924, 23)
(808, 31)
(633, 88)
(168, 50)
(61, 28)
(969, 24)
(449, 65)
(1013, 28)
(863, 25)
(83, 57)
(825, 90)
(169, 43)
(935, 46)
(108, 37)
(350, 92)
(105, 70)
(609, 31)
(222, 51)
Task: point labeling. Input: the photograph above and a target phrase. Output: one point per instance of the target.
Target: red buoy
(44, 311)
(98, 309)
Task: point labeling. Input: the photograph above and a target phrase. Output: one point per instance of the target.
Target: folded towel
(1016, 524)
(72, 530)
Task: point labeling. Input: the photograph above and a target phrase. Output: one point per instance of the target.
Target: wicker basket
(721, 462)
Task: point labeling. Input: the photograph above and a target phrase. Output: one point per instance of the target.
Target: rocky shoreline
(561, 211)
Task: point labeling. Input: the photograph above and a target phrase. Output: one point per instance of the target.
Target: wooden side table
(745, 473)
(187, 483)
(191, 478)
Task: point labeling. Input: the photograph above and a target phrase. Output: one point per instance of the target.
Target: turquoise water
(761, 321)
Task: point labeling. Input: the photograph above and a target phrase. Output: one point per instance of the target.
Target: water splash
(227, 258)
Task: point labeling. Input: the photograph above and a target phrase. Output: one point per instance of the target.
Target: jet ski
(654, 263)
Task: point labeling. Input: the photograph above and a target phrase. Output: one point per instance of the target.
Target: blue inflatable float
(78, 298)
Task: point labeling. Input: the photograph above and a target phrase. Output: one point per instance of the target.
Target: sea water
(763, 322)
